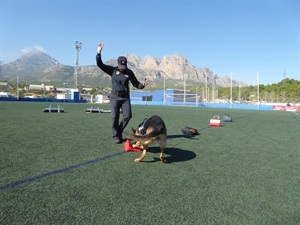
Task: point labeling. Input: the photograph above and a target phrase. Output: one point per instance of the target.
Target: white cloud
(7, 57)
(36, 48)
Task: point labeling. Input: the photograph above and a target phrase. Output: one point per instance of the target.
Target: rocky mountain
(171, 71)
(29, 64)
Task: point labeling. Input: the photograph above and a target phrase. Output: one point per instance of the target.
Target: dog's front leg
(142, 156)
(162, 159)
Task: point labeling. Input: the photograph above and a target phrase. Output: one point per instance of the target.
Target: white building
(63, 96)
(101, 99)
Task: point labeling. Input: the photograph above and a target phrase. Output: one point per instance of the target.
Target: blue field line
(44, 175)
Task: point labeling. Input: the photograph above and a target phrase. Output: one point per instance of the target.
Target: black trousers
(116, 105)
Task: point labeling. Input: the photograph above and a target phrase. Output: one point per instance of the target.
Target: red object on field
(128, 147)
(215, 123)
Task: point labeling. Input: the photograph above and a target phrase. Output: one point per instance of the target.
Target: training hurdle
(55, 110)
(93, 110)
(215, 121)
(98, 110)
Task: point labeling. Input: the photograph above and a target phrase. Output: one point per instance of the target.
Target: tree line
(287, 90)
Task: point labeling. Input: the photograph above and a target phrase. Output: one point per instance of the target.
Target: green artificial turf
(63, 168)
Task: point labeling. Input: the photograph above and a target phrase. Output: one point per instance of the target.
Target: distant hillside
(38, 67)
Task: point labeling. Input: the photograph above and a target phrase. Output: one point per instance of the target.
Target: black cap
(122, 63)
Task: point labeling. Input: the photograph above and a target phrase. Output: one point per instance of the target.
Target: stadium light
(78, 46)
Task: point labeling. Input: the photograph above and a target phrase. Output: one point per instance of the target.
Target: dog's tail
(144, 137)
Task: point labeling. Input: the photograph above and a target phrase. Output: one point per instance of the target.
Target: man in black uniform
(120, 94)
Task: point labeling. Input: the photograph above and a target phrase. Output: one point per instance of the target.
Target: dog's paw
(137, 160)
(162, 160)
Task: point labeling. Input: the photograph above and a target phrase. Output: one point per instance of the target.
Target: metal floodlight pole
(240, 93)
(258, 97)
(184, 88)
(230, 90)
(283, 99)
(206, 97)
(213, 89)
(18, 96)
(197, 96)
(164, 89)
(77, 46)
(1, 62)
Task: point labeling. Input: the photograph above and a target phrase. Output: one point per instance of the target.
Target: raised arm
(106, 68)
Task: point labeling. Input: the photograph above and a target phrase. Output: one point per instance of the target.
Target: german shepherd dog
(151, 130)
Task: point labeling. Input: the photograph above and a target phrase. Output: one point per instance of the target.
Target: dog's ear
(133, 130)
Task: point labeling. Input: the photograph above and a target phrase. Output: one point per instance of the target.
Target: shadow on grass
(183, 136)
(172, 155)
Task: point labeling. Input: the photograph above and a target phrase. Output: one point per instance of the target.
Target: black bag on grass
(189, 131)
(227, 118)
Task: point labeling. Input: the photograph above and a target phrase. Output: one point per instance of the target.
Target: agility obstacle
(93, 110)
(227, 118)
(54, 110)
(96, 110)
(215, 121)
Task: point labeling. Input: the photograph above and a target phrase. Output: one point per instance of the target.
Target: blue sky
(244, 38)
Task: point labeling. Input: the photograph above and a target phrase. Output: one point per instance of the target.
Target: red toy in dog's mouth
(128, 147)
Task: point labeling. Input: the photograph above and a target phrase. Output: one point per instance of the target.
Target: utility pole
(213, 89)
(1, 70)
(184, 87)
(284, 76)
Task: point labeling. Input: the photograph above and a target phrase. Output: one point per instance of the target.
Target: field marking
(296, 118)
(44, 175)
(233, 119)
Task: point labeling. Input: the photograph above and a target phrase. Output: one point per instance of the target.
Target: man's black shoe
(118, 140)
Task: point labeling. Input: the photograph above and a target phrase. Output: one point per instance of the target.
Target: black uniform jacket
(119, 80)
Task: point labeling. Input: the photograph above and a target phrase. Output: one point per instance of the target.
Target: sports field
(63, 168)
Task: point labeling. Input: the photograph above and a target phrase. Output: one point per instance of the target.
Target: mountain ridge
(171, 71)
